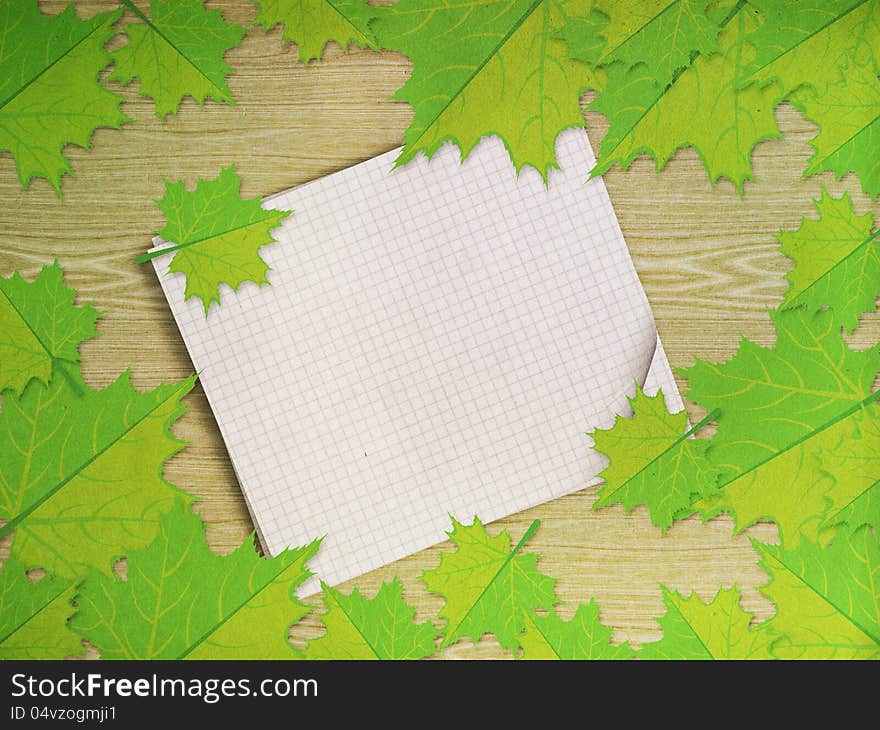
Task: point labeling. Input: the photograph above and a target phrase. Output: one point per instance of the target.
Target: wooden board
(707, 257)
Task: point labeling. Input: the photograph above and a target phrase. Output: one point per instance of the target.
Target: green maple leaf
(81, 469)
(508, 75)
(772, 397)
(377, 628)
(177, 52)
(827, 599)
(312, 24)
(837, 262)
(487, 586)
(49, 90)
(854, 467)
(653, 462)
(825, 57)
(801, 488)
(779, 408)
(805, 43)
(582, 637)
(39, 327)
(661, 34)
(716, 630)
(848, 115)
(584, 36)
(217, 235)
(33, 615)
(703, 107)
(181, 601)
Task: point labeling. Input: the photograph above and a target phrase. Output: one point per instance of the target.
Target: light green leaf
(825, 56)
(796, 489)
(377, 628)
(837, 262)
(49, 90)
(853, 465)
(827, 599)
(780, 407)
(81, 470)
(701, 108)
(39, 326)
(312, 24)
(488, 587)
(663, 35)
(509, 74)
(181, 601)
(771, 398)
(653, 462)
(717, 630)
(582, 637)
(177, 52)
(584, 37)
(848, 115)
(33, 616)
(217, 235)
(807, 42)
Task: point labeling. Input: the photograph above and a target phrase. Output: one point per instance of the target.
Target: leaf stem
(150, 255)
(708, 419)
(71, 380)
(533, 528)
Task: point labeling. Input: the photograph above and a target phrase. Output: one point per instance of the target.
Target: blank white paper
(437, 339)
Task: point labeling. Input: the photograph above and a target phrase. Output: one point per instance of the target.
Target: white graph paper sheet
(436, 340)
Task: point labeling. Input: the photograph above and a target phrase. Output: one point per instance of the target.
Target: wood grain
(707, 257)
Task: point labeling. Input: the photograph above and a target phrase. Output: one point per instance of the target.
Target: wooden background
(707, 258)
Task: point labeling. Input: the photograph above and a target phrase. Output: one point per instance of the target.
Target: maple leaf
(582, 637)
(702, 107)
(49, 90)
(848, 115)
(81, 469)
(312, 24)
(39, 327)
(33, 615)
(837, 262)
(772, 397)
(716, 630)
(217, 235)
(181, 601)
(661, 34)
(779, 408)
(825, 57)
(584, 37)
(377, 628)
(508, 75)
(854, 467)
(827, 599)
(487, 586)
(801, 488)
(805, 43)
(177, 51)
(653, 462)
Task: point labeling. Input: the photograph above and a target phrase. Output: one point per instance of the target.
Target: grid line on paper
(436, 340)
